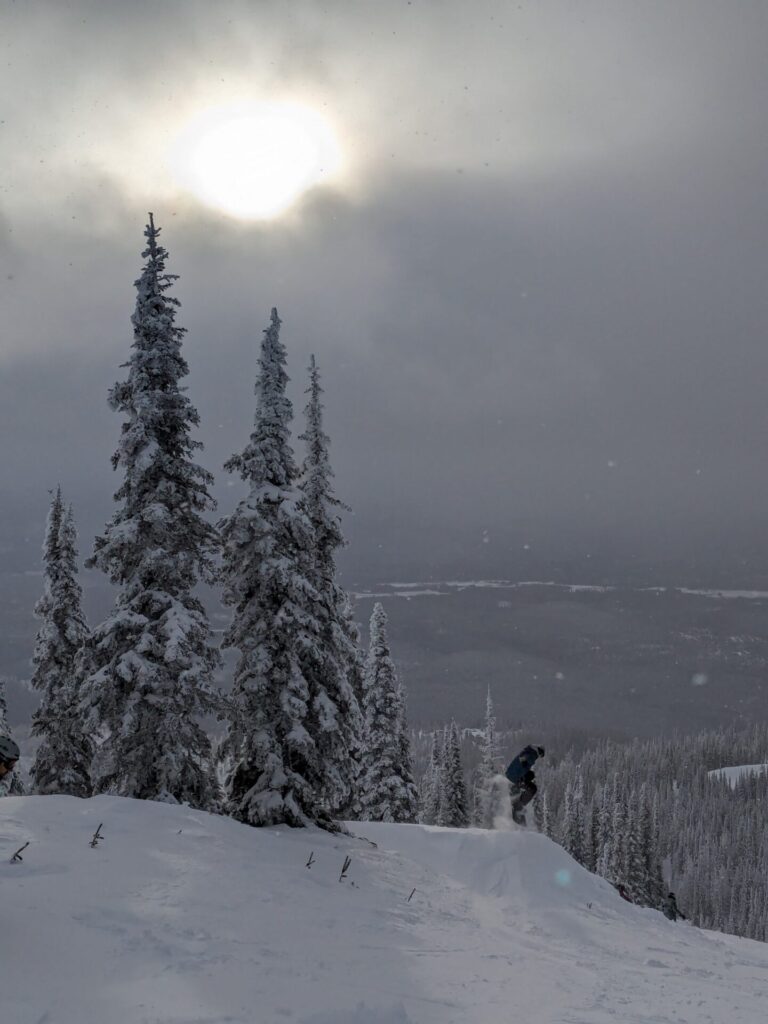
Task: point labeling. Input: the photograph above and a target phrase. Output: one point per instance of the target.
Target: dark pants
(522, 797)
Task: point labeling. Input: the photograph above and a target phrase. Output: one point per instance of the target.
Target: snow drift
(180, 917)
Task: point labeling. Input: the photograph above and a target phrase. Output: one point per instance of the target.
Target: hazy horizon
(534, 284)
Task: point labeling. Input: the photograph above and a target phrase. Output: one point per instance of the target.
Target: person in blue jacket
(522, 777)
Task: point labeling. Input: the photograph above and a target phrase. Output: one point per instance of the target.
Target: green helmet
(9, 749)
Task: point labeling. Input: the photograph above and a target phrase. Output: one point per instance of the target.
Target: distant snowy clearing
(179, 917)
(441, 588)
(736, 772)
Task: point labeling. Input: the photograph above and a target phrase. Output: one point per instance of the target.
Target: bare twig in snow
(345, 868)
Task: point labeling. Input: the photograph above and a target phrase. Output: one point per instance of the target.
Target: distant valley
(602, 660)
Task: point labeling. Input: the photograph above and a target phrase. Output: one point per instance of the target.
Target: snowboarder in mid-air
(522, 778)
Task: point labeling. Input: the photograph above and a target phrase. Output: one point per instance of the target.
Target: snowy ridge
(440, 588)
(179, 917)
(375, 595)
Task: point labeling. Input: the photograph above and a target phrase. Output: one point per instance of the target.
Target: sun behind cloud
(254, 160)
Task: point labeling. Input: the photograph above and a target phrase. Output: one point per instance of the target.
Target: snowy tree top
(267, 460)
(163, 490)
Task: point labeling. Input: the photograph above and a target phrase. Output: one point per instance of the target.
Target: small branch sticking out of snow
(311, 860)
(365, 840)
(411, 896)
(16, 858)
(345, 868)
(97, 836)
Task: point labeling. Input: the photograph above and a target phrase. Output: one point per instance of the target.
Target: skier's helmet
(9, 751)
(540, 751)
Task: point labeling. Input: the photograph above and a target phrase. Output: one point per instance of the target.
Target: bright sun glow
(253, 161)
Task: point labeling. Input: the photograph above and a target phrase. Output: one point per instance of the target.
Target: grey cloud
(524, 89)
(539, 314)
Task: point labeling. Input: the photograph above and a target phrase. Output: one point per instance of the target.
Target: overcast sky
(537, 295)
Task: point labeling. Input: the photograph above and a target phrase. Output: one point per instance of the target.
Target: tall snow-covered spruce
(336, 722)
(10, 785)
(431, 782)
(388, 792)
(453, 812)
(274, 765)
(149, 665)
(63, 757)
(486, 797)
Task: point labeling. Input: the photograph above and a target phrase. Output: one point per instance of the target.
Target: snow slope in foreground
(178, 916)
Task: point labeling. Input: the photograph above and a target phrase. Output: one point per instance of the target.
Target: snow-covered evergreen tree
(542, 816)
(63, 757)
(11, 784)
(387, 791)
(430, 788)
(335, 716)
(590, 850)
(442, 804)
(149, 664)
(405, 759)
(652, 801)
(318, 499)
(616, 854)
(275, 771)
(356, 672)
(653, 881)
(485, 790)
(572, 839)
(453, 805)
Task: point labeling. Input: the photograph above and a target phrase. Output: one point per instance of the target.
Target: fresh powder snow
(177, 916)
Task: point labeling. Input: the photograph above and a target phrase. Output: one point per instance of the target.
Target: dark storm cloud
(538, 309)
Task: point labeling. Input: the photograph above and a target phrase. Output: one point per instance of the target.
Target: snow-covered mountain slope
(179, 916)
